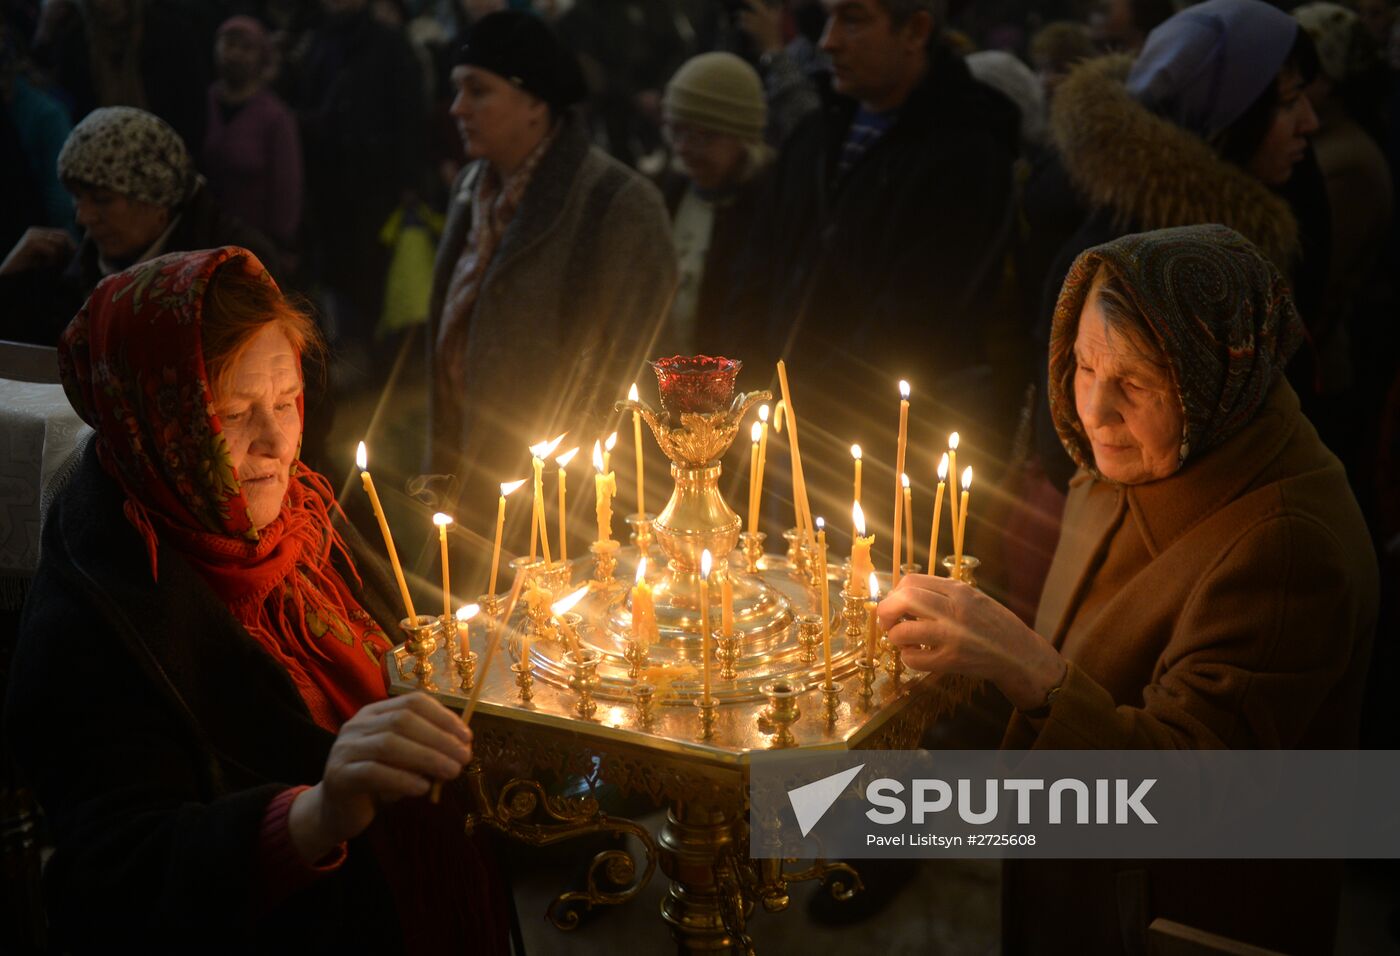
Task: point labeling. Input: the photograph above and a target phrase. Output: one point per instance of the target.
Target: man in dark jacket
(890, 214)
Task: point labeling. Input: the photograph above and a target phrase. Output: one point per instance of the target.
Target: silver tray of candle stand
(766, 607)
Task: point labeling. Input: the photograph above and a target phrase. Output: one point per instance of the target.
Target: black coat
(155, 731)
(891, 259)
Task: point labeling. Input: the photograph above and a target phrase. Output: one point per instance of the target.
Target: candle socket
(967, 573)
(637, 656)
(466, 669)
(491, 606)
(604, 563)
(753, 549)
(530, 568)
(541, 619)
(707, 707)
(831, 701)
(894, 663)
(782, 711)
(585, 678)
(809, 636)
(907, 569)
(420, 640)
(640, 535)
(853, 613)
(524, 680)
(868, 670)
(727, 653)
(799, 555)
(642, 696)
(555, 577)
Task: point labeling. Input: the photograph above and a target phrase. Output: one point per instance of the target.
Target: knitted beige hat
(718, 92)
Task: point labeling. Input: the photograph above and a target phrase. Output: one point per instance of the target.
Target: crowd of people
(1142, 250)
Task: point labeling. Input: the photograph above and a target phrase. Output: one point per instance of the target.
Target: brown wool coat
(1232, 604)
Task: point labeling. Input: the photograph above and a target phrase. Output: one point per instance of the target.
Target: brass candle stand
(727, 653)
(637, 655)
(966, 573)
(640, 534)
(604, 563)
(540, 718)
(753, 549)
(420, 640)
(809, 636)
(585, 665)
(853, 613)
(458, 634)
(492, 606)
(782, 711)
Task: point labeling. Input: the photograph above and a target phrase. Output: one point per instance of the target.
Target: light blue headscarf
(1203, 67)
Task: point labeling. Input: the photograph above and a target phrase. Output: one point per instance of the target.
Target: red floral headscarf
(132, 364)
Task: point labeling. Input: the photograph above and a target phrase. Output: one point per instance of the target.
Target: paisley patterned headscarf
(132, 364)
(1219, 313)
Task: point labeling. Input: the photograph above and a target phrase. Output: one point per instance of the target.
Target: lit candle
(705, 638)
(861, 567)
(643, 609)
(604, 487)
(756, 433)
(953, 440)
(465, 613)
(826, 599)
(442, 521)
(937, 514)
(872, 620)
(562, 607)
(563, 462)
(855, 453)
(634, 395)
(962, 523)
(908, 521)
(506, 488)
(361, 460)
(608, 446)
(538, 453)
(804, 507)
(899, 473)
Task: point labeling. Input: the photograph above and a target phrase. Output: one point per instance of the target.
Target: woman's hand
(391, 749)
(39, 248)
(937, 624)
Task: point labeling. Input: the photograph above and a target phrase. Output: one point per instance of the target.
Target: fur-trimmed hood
(1154, 174)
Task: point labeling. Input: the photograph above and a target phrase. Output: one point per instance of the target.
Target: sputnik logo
(811, 801)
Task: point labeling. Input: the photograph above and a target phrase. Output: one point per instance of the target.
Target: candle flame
(566, 604)
(904, 479)
(568, 456)
(467, 611)
(903, 389)
(778, 413)
(598, 456)
(508, 486)
(361, 458)
(874, 586)
(611, 442)
(967, 478)
(855, 452)
(943, 467)
(546, 448)
(705, 563)
(763, 413)
(756, 432)
(821, 523)
(632, 393)
(442, 520)
(641, 570)
(858, 519)
(953, 441)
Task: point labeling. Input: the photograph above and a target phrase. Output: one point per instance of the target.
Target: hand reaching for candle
(943, 625)
(391, 749)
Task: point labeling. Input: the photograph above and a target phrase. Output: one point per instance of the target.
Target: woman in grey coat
(555, 271)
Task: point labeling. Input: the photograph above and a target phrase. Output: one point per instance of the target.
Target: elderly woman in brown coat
(1214, 585)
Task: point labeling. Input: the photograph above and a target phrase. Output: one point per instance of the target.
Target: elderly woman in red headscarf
(197, 695)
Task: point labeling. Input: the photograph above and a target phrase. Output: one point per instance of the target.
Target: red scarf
(132, 364)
